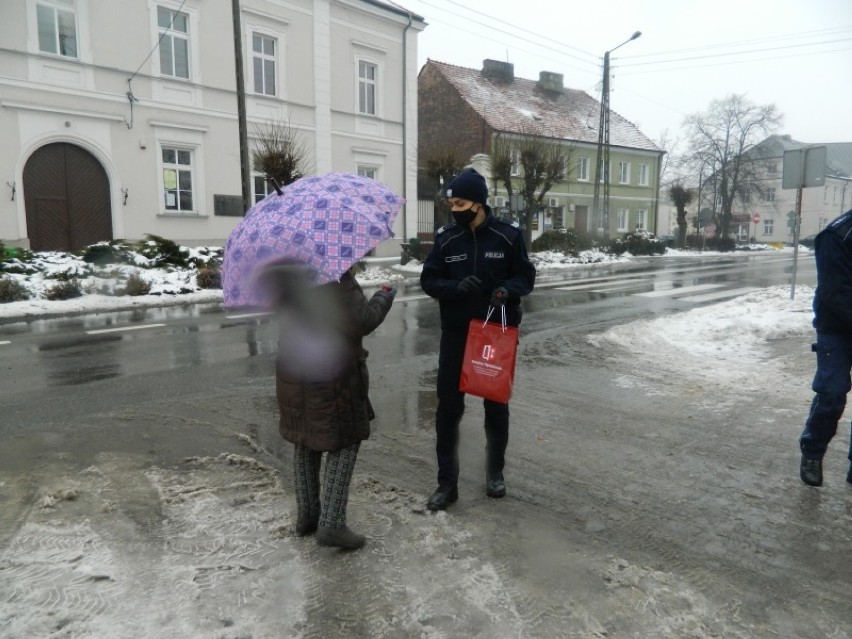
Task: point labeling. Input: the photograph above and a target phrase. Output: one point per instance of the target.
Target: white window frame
(641, 219)
(368, 170)
(769, 194)
(366, 160)
(644, 175)
(514, 163)
(166, 37)
(176, 166)
(583, 169)
(55, 7)
(623, 172)
(623, 220)
(368, 86)
(768, 226)
(259, 180)
(264, 59)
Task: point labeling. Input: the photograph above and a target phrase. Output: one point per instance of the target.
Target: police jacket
(833, 297)
(495, 253)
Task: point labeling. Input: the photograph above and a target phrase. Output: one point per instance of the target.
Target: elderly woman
(321, 386)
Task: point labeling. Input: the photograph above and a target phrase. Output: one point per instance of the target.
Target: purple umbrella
(326, 223)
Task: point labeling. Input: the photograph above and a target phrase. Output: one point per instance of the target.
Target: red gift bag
(488, 369)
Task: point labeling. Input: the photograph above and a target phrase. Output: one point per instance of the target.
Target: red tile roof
(521, 106)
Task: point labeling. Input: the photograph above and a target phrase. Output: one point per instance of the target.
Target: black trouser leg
(450, 407)
(496, 437)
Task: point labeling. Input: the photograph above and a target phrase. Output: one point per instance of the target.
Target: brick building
(464, 109)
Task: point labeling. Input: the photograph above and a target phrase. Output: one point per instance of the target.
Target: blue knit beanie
(468, 185)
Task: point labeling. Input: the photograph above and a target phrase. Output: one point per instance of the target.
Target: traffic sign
(756, 218)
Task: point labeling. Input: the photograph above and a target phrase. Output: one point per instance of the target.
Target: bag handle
(503, 313)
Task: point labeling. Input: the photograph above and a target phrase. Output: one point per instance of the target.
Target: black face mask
(464, 218)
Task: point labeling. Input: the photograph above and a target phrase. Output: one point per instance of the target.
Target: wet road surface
(146, 491)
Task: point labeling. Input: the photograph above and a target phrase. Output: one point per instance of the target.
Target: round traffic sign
(756, 218)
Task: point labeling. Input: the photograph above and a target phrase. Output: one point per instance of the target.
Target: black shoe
(443, 497)
(306, 525)
(339, 538)
(810, 471)
(495, 488)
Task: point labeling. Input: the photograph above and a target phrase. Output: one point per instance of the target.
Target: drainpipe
(405, 128)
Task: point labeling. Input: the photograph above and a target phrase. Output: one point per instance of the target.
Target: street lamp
(601, 214)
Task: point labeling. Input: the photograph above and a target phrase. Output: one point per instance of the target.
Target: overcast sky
(794, 53)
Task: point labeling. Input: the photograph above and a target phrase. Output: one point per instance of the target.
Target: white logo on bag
(488, 352)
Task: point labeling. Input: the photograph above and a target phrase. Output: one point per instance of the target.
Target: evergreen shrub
(12, 291)
(64, 290)
(209, 277)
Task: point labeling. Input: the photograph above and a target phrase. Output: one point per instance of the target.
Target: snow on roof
(394, 7)
(569, 114)
(840, 158)
(839, 153)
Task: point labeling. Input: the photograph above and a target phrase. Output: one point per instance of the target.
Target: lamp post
(601, 213)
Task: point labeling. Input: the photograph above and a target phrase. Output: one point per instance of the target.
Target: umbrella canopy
(326, 223)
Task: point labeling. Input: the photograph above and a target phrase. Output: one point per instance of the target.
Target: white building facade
(119, 119)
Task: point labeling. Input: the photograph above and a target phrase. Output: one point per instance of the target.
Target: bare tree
(279, 153)
(440, 167)
(680, 197)
(537, 164)
(669, 161)
(719, 139)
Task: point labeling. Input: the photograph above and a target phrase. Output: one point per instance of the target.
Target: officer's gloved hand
(468, 285)
(499, 297)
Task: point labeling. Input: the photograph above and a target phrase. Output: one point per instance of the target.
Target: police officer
(477, 262)
(833, 324)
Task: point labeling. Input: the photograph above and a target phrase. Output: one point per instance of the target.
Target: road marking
(679, 291)
(707, 297)
(248, 315)
(599, 284)
(629, 287)
(123, 328)
(4, 343)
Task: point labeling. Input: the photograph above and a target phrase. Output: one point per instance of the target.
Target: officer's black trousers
(451, 409)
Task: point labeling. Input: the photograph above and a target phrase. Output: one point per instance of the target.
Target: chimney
(549, 81)
(499, 71)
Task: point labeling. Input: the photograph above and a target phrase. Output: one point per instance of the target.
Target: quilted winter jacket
(495, 252)
(321, 374)
(833, 297)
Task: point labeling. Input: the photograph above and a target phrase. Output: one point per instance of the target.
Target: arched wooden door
(66, 195)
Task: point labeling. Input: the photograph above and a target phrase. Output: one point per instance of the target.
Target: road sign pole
(796, 226)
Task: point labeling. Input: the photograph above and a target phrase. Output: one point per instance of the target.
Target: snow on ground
(727, 342)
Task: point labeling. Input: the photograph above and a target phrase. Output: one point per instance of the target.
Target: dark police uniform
(494, 252)
(833, 324)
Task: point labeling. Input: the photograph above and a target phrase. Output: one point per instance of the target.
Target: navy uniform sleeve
(834, 274)
(433, 277)
(522, 280)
